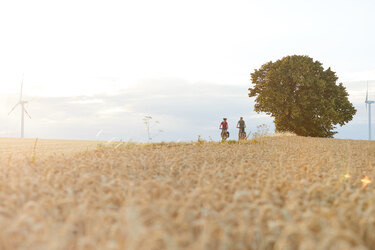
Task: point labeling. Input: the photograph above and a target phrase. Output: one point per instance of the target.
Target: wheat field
(268, 193)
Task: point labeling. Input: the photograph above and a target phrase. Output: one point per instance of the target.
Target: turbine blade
(21, 87)
(27, 113)
(13, 108)
(367, 93)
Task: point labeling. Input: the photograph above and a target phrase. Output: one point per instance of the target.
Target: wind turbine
(369, 113)
(23, 110)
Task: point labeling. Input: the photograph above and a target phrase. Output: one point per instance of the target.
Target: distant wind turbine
(23, 111)
(369, 113)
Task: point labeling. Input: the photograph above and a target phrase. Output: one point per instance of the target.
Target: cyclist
(224, 127)
(241, 126)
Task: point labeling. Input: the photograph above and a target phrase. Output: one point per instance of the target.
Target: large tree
(301, 96)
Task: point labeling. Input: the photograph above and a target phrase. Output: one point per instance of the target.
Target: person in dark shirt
(241, 126)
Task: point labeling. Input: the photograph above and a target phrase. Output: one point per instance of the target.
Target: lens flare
(365, 181)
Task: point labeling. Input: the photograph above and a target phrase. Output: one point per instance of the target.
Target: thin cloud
(184, 111)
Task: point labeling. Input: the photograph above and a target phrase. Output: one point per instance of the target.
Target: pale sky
(103, 65)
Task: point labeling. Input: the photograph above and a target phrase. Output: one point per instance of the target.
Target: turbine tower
(23, 110)
(369, 113)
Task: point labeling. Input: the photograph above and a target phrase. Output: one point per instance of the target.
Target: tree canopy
(301, 96)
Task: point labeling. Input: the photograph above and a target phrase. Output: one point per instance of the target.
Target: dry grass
(269, 193)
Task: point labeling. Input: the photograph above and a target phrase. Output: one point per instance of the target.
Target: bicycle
(241, 135)
(224, 135)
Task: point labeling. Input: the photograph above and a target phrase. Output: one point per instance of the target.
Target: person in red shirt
(224, 127)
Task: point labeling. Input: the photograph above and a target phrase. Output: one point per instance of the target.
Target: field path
(21, 147)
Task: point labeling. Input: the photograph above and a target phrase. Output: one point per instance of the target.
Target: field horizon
(277, 192)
